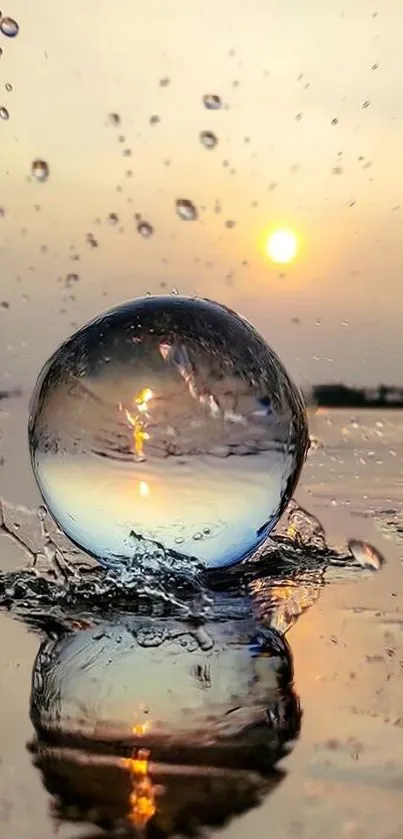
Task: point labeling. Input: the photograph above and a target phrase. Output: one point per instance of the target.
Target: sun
(282, 246)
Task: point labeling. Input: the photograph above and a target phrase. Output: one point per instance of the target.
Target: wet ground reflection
(162, 725)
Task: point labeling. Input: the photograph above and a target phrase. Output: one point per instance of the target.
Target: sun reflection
(138, 423)
(142, 798)
(144, 489)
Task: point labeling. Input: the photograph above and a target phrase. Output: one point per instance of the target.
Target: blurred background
(276, 125)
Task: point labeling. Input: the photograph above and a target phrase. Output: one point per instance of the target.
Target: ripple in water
(167, 420)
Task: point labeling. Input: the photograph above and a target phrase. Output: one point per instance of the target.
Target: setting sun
(282, 246)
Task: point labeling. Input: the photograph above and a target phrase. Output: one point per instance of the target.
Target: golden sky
(310, 137)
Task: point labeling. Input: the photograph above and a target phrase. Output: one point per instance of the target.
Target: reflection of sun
(282, 246)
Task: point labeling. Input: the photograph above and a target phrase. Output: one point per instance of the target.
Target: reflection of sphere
(169, 419)
(211, 708)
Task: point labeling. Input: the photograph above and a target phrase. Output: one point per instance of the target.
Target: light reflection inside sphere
(168, 419)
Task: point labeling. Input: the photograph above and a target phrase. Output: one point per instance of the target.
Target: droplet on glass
(186, 381)
(186, 210)
(113, 219)
(212, 102)
(155, 119)
(366, 104)
(8, 87)
(91, 240)
(230, 224)
(208, 139)
(298, 117)
(164, 82)
(375, 66)
(40, 170)
(114, 119)
(4, 113)
(9, 27)
(335, 121)
(145, 229)
(366, 555)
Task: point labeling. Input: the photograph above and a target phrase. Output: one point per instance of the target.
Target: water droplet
(366, 104)
(186, 210)
(375, 66)
(145, 229)
(212, 102)
(4, 113)
(40, 170)
(71, 279)
(164, 82)
(230, 224)
(113, 219)
(366, 555)
(1, 52)
(335, 121)
(155, 119)
(9, 27)
(208, 139)
(114, 119)
(8, 87)
(98, 429)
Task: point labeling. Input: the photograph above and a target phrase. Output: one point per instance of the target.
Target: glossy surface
(168, 419)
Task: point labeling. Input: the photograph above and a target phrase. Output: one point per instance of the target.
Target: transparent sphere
(168, 419)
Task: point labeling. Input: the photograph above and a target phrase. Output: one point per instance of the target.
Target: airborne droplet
(145, 229)
(208, 139)
(9, 27)
(4, 113)
(40, 170)
(366, 555)
(186, 210)
(212, 102)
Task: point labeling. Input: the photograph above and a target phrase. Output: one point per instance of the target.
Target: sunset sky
(310, 138)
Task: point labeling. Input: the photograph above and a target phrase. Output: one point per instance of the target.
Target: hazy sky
(284, 70)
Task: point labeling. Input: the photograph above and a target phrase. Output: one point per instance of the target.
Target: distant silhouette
(343, 396)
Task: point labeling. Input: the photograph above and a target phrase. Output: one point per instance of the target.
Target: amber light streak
(138, 421)
(143, 793)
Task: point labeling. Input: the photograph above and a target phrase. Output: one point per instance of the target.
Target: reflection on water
(167, 419)
(160, 723)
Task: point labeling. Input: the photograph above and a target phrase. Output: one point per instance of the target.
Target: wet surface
(343, 775)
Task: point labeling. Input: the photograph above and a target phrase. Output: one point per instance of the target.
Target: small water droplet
(4, 113)
(145, 229)
(114, 119)
(375, 66)
(8, 87)
(335, 121)
(197, 536)
(212, 102)
(186, 210)
(208, 139)
(9, 27)
(366, 104)
(113, 218)
(40, 170)
(155, 119)
(298, 117)
(230, 224)
(366, 555)
(165, 81)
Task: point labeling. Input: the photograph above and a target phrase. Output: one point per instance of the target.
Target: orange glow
(138, 423)
(143, 794)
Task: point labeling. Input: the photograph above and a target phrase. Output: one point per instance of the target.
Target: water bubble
(9, 27)
(126, 449)
(212, 102)
(208, 139)
(145, 229)
(366, 555)
(186, 210)
(4, 113)
(40, 170)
